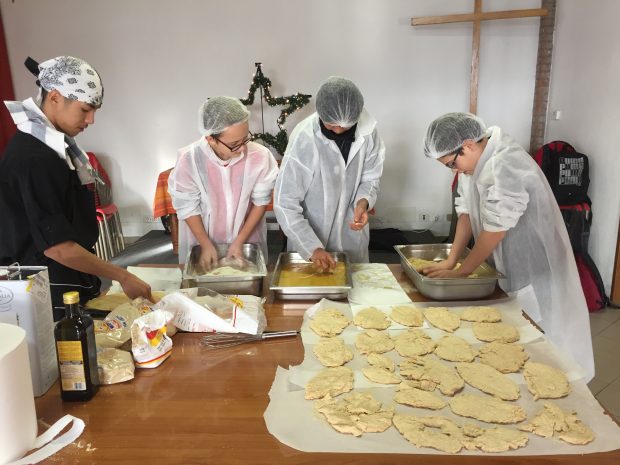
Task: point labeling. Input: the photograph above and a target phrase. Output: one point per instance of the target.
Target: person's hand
(322, 260)
(134, 287)
(447, 274)
(235, 251)
(360, 215)
(444, 269)
(431, 270)
(208, 257)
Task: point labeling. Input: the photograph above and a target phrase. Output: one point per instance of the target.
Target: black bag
(578, 220)
(566, 170)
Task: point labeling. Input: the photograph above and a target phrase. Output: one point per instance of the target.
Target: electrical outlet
(425, 217)
(436, 218)
(150, 219)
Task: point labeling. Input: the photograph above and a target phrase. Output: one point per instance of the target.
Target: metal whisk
(221, 340)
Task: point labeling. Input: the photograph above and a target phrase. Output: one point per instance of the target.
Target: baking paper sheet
(311, 433)
(160, 279)
(374, 283)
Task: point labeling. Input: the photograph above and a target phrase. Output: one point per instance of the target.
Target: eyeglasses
(452, 163)
(236, 147)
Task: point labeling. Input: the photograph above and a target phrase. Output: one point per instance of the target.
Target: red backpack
(568, 174)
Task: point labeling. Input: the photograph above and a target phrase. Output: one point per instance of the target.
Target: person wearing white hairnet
(329, 178)
(47, 212)
(221, 184)
(506, 203)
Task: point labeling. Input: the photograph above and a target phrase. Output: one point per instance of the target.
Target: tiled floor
(605, 328)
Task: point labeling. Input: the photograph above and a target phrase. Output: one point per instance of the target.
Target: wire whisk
(221, 340)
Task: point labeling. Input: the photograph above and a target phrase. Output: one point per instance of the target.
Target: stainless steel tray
(446, 288)
(251, 284)
(309, 292)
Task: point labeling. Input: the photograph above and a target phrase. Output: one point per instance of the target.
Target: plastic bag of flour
(115, 366)
(150, 345)
(115, 329)
(213, 312)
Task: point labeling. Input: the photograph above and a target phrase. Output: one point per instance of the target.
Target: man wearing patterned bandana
(48, 213)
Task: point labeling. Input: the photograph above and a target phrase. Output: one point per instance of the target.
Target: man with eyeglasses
(506, 204)
(330, 177)
(221, 184)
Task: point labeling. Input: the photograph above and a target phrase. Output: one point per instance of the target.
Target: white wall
(584, 86)
(160, 59)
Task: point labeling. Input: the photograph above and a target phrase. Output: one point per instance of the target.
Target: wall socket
(428, 217)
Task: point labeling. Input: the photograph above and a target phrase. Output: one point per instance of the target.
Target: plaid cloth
(162, 204)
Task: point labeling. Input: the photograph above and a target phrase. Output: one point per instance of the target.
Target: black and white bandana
(73, 78)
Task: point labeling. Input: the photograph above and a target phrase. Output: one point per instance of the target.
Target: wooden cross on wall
(476, 17)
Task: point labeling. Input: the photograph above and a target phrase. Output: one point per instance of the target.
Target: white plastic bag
(150, 344)
(215, 313)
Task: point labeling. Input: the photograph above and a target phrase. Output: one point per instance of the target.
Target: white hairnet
(448, 132)
(219, 113)
(339, 102)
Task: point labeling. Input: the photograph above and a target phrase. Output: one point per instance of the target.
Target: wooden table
(206, 407)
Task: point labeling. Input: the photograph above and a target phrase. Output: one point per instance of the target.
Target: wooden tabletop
(206, 407)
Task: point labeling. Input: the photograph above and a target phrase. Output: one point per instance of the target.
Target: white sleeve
(460, 201)
(507, 198)
(291, 188)
(372, 171)
(261, 192)
(182, 187)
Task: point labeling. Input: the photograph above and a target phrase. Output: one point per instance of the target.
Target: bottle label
(71, 363)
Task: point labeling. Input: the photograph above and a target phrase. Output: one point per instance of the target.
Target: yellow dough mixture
(305, 274)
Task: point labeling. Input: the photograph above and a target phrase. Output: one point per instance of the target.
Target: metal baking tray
(446, 288)
(310, 292)
(251, 284)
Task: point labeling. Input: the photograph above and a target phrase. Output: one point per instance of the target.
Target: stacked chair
(111, 241)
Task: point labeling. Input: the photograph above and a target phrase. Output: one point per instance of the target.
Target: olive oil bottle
(76, 352)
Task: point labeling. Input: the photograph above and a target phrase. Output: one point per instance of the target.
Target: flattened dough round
(489, 332)
(442, 318)
(371, 318)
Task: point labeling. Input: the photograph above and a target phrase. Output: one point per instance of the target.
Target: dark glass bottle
(76, 352)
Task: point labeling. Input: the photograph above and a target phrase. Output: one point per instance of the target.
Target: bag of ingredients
(115, 366)
(214, 312)
(115, 329)
(150, 345)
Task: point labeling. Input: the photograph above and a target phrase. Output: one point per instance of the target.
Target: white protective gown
(315, 192)
(508, 192)
(222, 193)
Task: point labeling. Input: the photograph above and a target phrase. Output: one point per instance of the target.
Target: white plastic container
(27, 303)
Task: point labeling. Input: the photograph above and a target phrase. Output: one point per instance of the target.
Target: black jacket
(43, 203)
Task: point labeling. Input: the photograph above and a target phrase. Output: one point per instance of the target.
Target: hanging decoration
(291, 103)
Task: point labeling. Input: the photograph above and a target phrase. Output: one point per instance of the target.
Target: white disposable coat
(316, 193)
(222, 193)
(508, 192)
